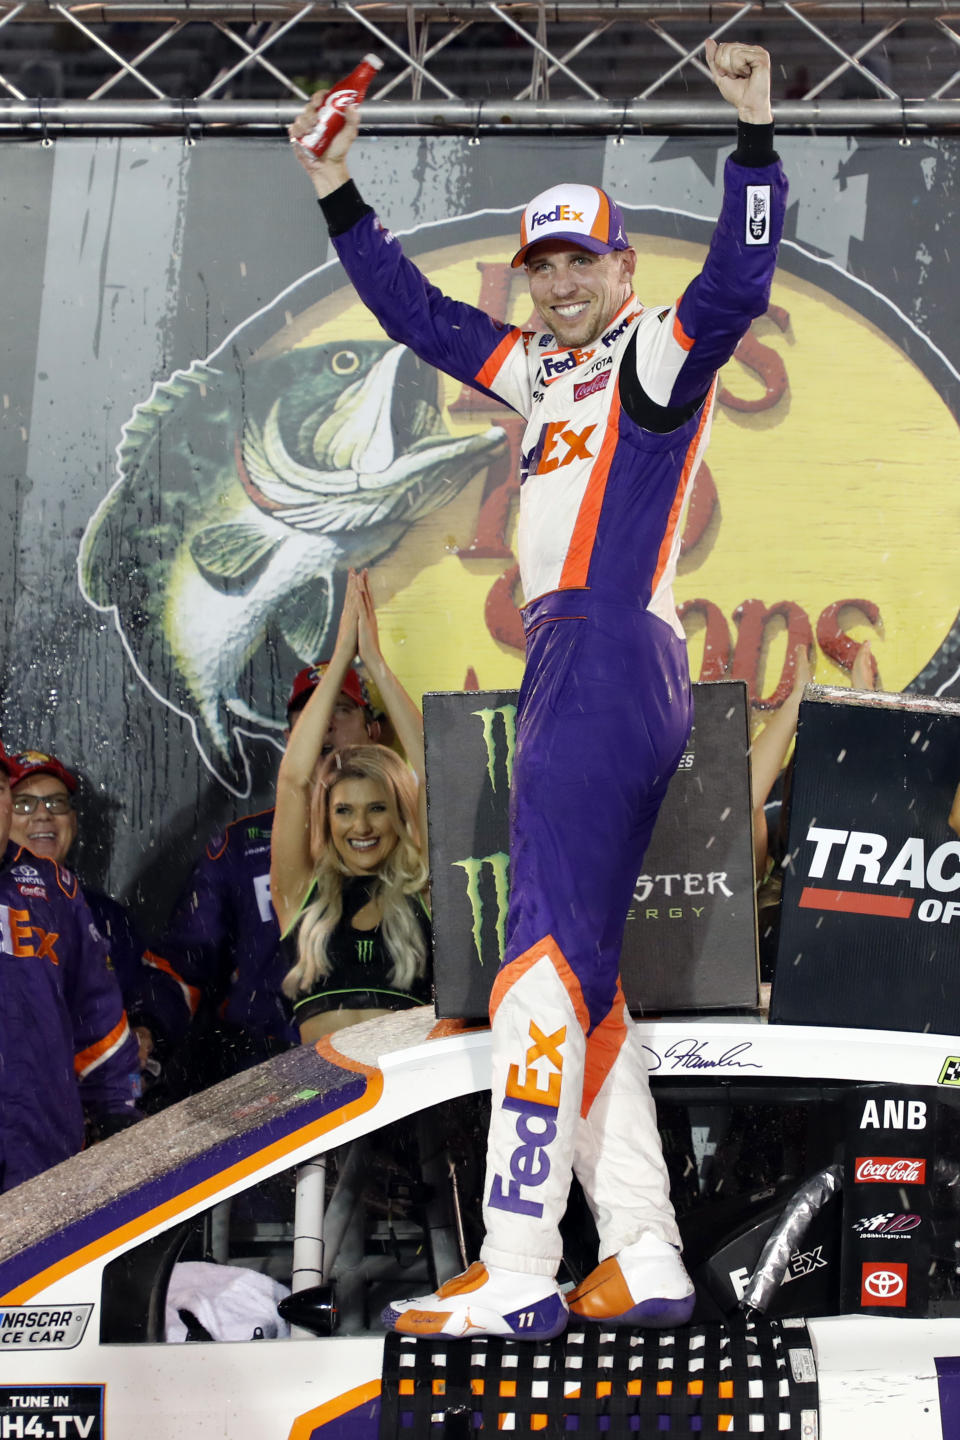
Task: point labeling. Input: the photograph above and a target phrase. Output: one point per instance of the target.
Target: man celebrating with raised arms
(618, 400)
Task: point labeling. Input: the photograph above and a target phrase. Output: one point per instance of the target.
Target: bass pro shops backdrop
(185, 372)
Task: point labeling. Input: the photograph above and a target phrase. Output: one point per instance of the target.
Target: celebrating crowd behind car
(121, 1025)
(106, 1018)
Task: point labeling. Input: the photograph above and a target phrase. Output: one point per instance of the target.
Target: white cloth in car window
(230, 1302)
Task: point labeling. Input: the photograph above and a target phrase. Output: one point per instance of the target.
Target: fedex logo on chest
(555, 363)
(560, 443)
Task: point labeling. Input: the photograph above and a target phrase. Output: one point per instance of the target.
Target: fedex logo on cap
(559, 212)
(579, 213)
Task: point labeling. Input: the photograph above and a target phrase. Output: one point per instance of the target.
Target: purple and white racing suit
(615, 430)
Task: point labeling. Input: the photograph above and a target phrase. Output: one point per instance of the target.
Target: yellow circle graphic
(835, 484)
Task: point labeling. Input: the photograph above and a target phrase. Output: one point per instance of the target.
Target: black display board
(870, 920)
(690, 941)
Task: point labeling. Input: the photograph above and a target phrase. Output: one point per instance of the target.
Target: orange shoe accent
(421, 1322)
(471, 1279)
(603, 1294)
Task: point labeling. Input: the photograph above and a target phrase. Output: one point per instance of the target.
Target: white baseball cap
(580, 213)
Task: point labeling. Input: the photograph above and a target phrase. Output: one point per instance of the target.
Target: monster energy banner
(690, 940)
(870, 913)
(203, 429)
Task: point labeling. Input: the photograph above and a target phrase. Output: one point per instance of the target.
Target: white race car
(816, 1174)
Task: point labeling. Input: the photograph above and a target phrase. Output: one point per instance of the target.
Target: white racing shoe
(484, 1300)
(644, 1285)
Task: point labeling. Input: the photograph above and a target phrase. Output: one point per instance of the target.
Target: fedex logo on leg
(535, 1106)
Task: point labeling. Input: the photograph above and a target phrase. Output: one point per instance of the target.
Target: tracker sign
(860, 855)
(872, 889)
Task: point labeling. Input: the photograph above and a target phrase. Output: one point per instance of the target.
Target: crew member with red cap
(45, 821)
(618, 400)
(68, 1054)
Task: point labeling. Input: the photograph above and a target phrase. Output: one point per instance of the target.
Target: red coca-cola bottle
(346, 92)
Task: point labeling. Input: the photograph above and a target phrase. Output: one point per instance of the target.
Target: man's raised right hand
(329, 171)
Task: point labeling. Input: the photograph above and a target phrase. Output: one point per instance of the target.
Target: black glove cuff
(754, 145)
(343, 208)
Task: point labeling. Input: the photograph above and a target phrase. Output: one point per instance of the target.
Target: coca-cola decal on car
(890, 1170)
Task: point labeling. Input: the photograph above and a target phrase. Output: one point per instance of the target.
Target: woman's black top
(360, 964)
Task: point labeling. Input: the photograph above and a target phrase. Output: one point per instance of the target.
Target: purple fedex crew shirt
(65, 1045)
(223, 938)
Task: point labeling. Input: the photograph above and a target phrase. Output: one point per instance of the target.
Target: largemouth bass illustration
(244, 496)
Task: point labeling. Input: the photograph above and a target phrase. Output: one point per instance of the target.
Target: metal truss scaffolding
(587, 66)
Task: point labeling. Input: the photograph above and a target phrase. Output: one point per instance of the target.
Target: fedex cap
(580, 213)
(38, 762)
(306, 681)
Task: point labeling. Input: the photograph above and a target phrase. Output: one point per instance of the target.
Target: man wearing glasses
(68, 1053)
(44, 821)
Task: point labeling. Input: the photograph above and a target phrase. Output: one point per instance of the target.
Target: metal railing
(595, 66)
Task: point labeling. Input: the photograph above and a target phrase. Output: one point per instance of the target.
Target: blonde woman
(348, 865)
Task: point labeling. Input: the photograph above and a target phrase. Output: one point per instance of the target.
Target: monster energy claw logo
(498, 863)
(365, 952)
(508, 715)
(494, 736)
